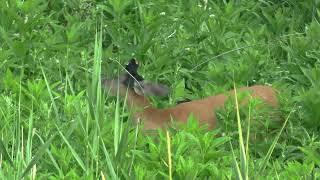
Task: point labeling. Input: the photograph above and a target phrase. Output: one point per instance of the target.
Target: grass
(57, 123)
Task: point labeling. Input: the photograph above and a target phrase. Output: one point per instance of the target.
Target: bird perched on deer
(131, 85)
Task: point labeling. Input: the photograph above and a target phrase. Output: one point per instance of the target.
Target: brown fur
(202, 109)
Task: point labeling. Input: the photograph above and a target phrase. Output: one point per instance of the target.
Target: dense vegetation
(56, 123)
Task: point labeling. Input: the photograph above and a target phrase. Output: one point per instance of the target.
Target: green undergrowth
(56, 122)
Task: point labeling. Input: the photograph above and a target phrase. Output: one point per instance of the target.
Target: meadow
(56, 122)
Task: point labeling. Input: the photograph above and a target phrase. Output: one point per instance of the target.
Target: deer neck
(137, 102)
(142, 110)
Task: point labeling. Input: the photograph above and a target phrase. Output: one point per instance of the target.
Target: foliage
(56, 122)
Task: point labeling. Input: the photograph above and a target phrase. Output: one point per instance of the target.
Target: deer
(131, 85)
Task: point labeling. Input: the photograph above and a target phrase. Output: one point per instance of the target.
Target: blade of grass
(55, 164)
(267, 157)
(102, 176)
(96, 87)
(134, 147)
(29, 139)
(238, 172)
(5, 153)
(50, 93)
(248, 135)
(275, 169)
(243, 160)
(169, 155)
(117, 137)
(109, 162)
(42, 149)
(74, 153)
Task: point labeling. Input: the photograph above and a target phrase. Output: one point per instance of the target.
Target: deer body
(202, 109)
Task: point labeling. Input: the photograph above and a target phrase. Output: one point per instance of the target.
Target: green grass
(57, 123)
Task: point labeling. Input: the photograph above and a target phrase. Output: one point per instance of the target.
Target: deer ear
(144, 88)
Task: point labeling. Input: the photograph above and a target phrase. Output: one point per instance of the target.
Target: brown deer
(131, 85)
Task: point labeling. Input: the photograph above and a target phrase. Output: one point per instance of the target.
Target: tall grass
(56, 121)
